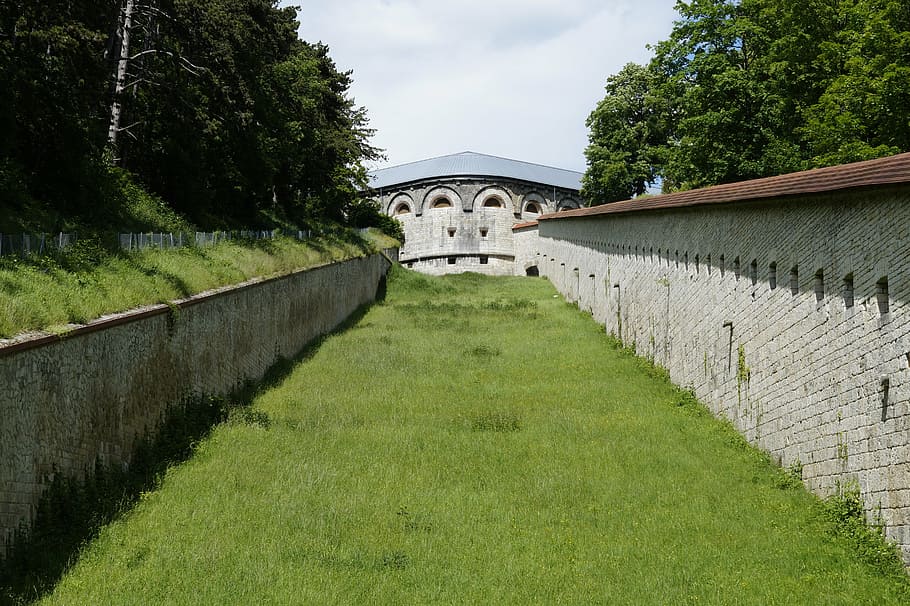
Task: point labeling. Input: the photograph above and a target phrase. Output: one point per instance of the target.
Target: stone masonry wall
(788, 317)
(68, 401)
(467, 236)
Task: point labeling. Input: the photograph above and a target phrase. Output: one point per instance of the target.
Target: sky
(511, 78)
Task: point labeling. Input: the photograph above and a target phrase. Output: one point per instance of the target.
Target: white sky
(512, 78)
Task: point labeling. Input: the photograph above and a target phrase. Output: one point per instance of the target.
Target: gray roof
(472, 164)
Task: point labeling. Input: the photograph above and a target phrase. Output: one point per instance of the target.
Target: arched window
(533, 208)
(441, 202)
(493, 202)
(402, 209)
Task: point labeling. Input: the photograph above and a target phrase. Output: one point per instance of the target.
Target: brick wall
(788, 317)
(67, 402)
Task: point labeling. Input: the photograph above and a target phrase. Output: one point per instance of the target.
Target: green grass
(476, 441)
(47, 293)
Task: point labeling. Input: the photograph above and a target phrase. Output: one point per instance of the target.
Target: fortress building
(459, 211)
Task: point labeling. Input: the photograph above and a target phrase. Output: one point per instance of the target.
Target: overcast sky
(512, 78)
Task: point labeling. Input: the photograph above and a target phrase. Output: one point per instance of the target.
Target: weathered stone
(67, 402)
(811, 376)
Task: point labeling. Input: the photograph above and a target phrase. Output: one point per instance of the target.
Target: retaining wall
(67, 402)
(789, 317)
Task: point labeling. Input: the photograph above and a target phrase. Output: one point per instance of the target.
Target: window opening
(881, 295)
(753, 271)
(772, 275)
(451, 260)
(452, 232)
(484, 259)
(820, 285)
(847, 290)
(794, 280)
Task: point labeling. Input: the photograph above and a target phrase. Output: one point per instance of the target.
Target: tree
(626, 129)
(753, 88)
(862, 113)
(215, 106)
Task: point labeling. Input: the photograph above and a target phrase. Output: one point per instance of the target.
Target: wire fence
(38, 244)
(142, 241)
(34, 244)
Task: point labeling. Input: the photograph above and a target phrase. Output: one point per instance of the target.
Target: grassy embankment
(476, 441)
(88, 281)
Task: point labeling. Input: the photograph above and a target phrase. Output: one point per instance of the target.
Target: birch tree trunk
(126, 24)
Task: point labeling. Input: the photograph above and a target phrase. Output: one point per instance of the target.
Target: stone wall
(789, 317)
(468, 234)
(67, 402)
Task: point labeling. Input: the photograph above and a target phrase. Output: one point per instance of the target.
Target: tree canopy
(744, 89)
(215, 107)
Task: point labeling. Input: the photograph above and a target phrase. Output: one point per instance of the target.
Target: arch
(397, 202)
(567, 204)
(442, 199)
(532, 271)
(493, 199)
(533, 205)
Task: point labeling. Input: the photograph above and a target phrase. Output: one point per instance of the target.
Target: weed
(485, 351)
(496, 421)
(244, 415)
(395, 560)
(844, 511)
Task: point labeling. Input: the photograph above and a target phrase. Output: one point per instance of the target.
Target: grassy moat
(475, 440)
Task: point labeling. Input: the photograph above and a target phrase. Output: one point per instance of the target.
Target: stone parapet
(69, 401)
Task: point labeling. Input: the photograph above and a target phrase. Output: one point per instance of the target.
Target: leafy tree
(730, 126)
(753, 88)
(862, 113)
(216, 107)
(626, 130)
(54, 82)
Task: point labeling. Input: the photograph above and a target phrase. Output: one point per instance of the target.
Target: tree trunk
(126, 24)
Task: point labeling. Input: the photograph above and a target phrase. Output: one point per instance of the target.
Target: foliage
(364, 212)
(754, 88)
(225, 116)
(626, 129)
(473, 455)
(844, 512)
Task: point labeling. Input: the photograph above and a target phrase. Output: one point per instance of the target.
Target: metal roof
(472, 164)
(893, 170)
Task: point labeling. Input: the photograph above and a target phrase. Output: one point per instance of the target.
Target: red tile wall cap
(524, 225)
(869, 173)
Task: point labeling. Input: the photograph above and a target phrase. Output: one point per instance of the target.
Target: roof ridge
(568, 170)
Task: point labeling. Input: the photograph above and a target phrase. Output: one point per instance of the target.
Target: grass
(82, 284)
(476, 440)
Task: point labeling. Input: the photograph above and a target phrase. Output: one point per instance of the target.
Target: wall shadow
(74, 510)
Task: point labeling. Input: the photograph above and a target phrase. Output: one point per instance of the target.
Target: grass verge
(87, 281)
(476, 440)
